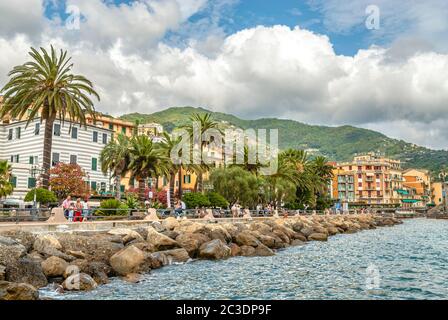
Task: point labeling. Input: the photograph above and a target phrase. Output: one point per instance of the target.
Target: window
(33, 160)
(73, 159)
(31, 183)
(132, 182)
(359, 168)
(18, 132)
(13, 180)
(15, 158)
(55, 158)
(360, 176)
(93, 185)
(104, 138)
(349, 167)
(122, 188)
(103, 186)
(187, 178)
(36, 129)
(94, 164)
(123, 130)
(95, 136)
(10, 134)
(57, 130)
(74, 133)
(111, 126)
(360, 184)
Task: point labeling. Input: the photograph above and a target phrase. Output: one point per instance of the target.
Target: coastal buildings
(22, 146)
(373, 179)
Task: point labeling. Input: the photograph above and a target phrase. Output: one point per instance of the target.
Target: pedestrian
(78, 210)
(85, 209)
(66, 206)
(71, 212)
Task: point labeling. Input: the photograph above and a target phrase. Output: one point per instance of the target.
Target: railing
(24, 214)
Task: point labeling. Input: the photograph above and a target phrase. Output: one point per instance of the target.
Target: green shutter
(31, 183)
(13, 181)
(93, 185)
(122, 188)
(31, 160)
(94, 164)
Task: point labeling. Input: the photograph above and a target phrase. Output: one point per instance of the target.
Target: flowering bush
(68, 180)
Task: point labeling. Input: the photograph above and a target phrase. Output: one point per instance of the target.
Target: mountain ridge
(339, 143)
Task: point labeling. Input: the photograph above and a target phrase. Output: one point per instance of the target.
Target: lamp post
(34, 171)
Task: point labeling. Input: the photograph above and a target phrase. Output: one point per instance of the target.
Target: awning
(402, 191)
(409, 200)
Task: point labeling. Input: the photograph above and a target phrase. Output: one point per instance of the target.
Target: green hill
(336, 143)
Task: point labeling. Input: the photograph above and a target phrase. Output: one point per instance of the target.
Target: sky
(377, 64)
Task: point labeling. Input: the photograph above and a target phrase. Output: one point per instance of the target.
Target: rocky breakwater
(83, 260)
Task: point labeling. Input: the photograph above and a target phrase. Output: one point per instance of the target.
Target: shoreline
(83, 260)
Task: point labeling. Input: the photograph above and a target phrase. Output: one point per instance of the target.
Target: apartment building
(419, 180)
(373, 179)
(22, 146)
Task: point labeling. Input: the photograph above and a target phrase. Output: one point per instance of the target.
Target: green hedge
(216, 200)
(43, 196)
(112, 207)
(195, 200)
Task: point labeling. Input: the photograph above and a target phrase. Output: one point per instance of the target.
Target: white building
(23, 146)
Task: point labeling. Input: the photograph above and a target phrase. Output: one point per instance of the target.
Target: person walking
(85, 209)
(78, 210)
(66, 206)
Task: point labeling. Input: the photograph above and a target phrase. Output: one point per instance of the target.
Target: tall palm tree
(206, 122)
(167, 145)
(115, 158)
(146, 160)
(6, 186)
(46, 86)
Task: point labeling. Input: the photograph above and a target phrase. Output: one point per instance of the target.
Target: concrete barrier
(57, 216)
(152, 215)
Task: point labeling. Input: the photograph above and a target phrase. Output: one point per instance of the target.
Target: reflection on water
(407, 261)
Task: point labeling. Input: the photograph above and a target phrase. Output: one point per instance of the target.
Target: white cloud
(262, 71)
(21, 17)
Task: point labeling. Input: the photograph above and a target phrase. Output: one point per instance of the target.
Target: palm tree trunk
(118, 187)
(46, 161)
(180, 191)
(141, 190)
(171, 191)
(201, 182)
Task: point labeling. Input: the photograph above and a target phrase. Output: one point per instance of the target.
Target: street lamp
(35, 171)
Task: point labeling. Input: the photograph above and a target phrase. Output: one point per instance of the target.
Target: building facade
(373, 179)
(23, 146)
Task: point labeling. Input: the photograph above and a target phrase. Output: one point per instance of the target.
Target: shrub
(111, 207)
(132, 201)
(195, 200)
(216, 200)
(43, 196)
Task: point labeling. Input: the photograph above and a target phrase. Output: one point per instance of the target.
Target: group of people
(76, 211)
(179, 207)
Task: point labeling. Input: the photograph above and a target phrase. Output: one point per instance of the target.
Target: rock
(46, 244)
(54, 267)
(318, 237)
(126, 234)
(246, 238)
(157, 226)
(270, 240)
(261, 227)
(297, 242)
(332, 230)
(23, 237)
(300, 236)
(283, 236)
(96, 247)
(36, 256)
(263, 251)
(79, 282)
(307, 231)
(192, 242)
(127, 260)
(158, 258)
(17, 291)
(170, 223)
(247, 251)
(214, 231)
(186, 226)
(171, 234)
(215, 250)
(176, 255)
(235, 250)
(26, 271)
(10, 250)
(133, 236)
(132, 278)
(297, 226)
(99, 271)
(160, 241)
(2, 273)
(77, 254)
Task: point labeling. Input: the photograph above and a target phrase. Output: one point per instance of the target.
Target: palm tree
(206, 122)
(115, 158)
(6, 187)
(251, 167)
(167, 146)
(146, 160)
(46, 88)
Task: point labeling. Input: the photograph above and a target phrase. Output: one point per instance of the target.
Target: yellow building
(437, 193)
(420, 181)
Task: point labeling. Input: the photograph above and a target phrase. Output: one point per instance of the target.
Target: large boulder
(128, 260)
(318, 237)
(215, 250)
(10, 250)
(261, 227)
(175, 255)
(96, 247)
(79, 282)
(192, 242)
(127, 235)
(246, 238)
(2, 273)
(23, 237)
(263, 251)
(186, 226)
(47, 243)
(17, 291)
(215, 231)
(25, 270)
(247, 251)
(160, 242)
(235, 249)
(54, 267)
(170, 223)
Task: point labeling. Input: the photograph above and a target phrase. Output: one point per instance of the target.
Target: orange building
(420, 181)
